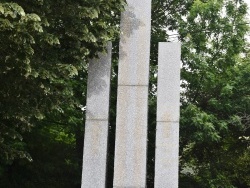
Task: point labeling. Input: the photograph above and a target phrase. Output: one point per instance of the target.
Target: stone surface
(134, 49)
(96, 126)
(131, 137)
(98, 87)
(168, 90)
(168, 104)
(95, 154)
(167, 155)
(132, 101)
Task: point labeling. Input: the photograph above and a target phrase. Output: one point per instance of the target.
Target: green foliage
(213, 63)
(55, 161)
(44, 50)
(215, 88)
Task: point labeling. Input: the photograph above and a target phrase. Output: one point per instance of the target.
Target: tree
(214, 137)
(45, 47)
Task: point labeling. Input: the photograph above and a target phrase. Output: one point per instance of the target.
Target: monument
(130, 163)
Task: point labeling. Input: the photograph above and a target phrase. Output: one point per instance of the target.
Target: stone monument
(130, 164)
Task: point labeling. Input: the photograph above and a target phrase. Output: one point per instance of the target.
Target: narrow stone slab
(132, 101)
(166, 156)
(96, 126)
(168, 88)
(168, 104)
(134, 49)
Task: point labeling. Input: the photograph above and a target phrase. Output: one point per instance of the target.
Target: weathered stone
(168, 87)
(134, 49)
(168, 104)
(98, 87)
(95, 154)
(131, 137)
(166, 155)
(132, 101)
(96, 127)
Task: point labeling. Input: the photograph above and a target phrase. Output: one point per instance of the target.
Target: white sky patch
(173, 36)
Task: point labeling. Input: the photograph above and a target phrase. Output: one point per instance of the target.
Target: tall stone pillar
(168, 104)
(132, 100)
(96, 127)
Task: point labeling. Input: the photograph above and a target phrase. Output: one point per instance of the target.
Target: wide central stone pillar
(132, 100)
